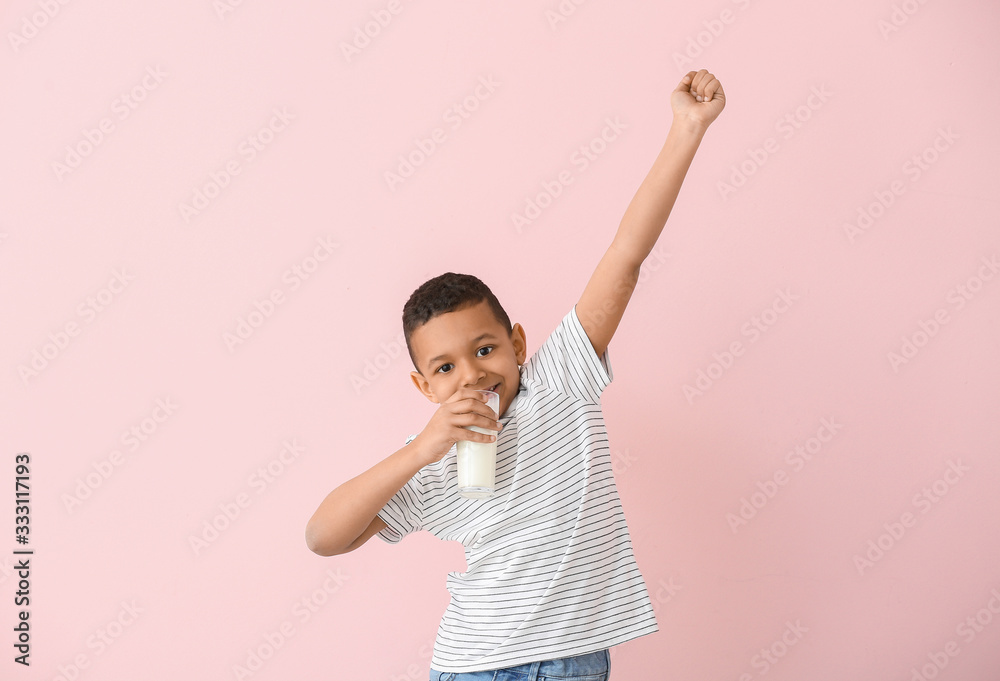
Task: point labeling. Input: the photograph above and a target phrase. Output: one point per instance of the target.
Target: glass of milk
(477, 461)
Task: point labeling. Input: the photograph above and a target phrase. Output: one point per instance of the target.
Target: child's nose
(473, 376)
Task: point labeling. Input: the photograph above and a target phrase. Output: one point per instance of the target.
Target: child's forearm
(648, 211)
(347, 511)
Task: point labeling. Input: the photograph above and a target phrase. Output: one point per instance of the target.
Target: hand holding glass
(477, 461)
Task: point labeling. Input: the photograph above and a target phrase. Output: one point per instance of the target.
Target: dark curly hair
(446, 293)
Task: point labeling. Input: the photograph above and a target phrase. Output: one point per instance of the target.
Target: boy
(551, 582)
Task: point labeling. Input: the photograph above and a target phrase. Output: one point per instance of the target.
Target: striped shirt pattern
(550, 569)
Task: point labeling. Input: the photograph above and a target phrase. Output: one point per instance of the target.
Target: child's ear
(517, 338)
(423, 386)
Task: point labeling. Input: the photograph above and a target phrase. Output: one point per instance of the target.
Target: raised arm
(696, 102)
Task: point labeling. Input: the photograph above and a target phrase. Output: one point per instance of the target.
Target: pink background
(830, 109)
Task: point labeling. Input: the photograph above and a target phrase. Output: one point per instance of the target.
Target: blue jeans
(589, 667)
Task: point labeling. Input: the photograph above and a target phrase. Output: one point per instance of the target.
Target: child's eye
(442, 367)
(485, 347)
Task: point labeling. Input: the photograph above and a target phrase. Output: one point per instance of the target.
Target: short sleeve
(402, 513)
(566, 362)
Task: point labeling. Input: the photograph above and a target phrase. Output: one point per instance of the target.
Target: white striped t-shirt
(551, 571)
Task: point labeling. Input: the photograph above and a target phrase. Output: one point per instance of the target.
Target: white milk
(477, 461)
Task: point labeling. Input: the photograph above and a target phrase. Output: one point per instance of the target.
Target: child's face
(468, 348)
